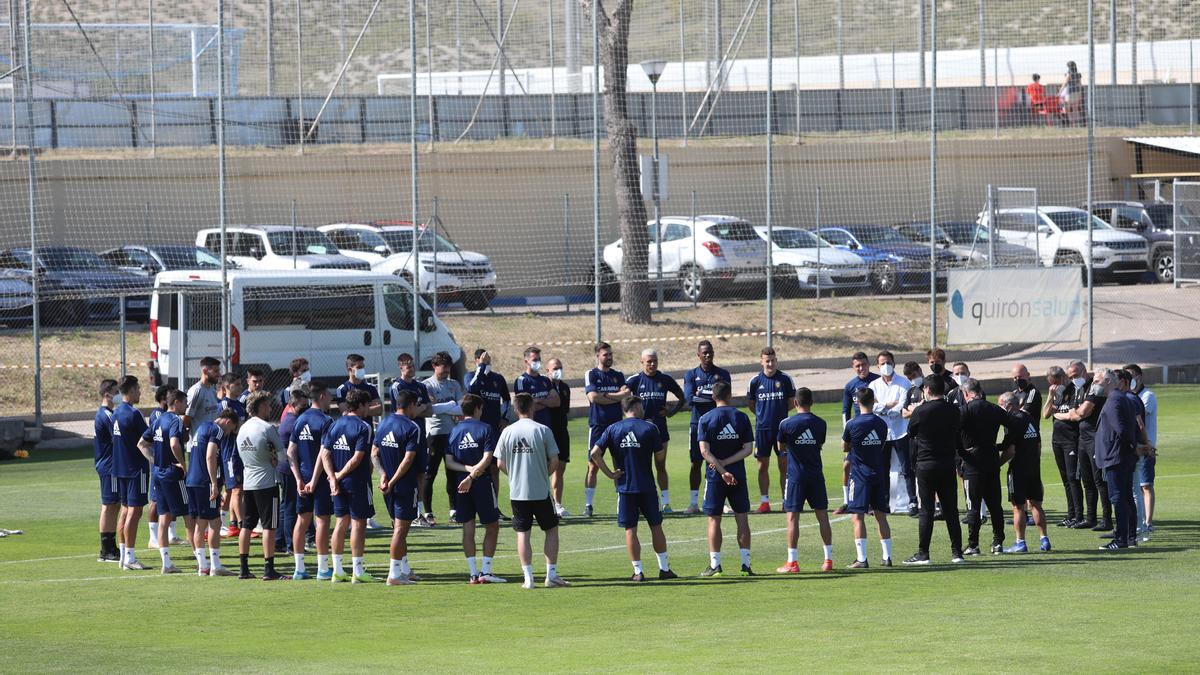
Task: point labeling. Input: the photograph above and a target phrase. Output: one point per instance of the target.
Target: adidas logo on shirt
(728, 433)
(872, 439)
(1031, 432)
(158, 435)
(306, 434)
(247, 444)
(342, 443)
(522, 445)
(116, 428)
(388, 441)
(468, 441)
(630, 441)
(806, 438)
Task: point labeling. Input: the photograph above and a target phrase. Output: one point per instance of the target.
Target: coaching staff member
(933, 431)
(981, 422)
(1117, 449)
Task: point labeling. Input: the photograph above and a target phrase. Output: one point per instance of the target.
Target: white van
(276, 316)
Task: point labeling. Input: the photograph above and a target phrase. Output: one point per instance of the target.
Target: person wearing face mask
(559, 417)
(913, 398)
(544, 393)
(982, 459)
(959, 374)
(356, 380)
(651, 385)
(936, 358)
(862, 378)
(444, 394)
(493, 389)
(1029, 398)
(934, 428)
(1061, 398)
(1143, 473)
(1089, 400)
(891, 390)
(1118, 446)
(300, 377)
(1025, 490)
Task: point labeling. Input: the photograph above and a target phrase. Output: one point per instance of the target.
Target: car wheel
(692, 284)
(475, 301)
(610, 288)
(884, 279)
(787, 283)
(1164, 265)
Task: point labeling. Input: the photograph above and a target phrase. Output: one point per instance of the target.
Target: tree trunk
(613, 30)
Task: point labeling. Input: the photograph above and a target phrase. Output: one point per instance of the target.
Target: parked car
(278, 247)
(802, 259)
(896, 263)
(276, 316)
(75, 285)
(718, 253)
(16, 298)
(1159, 232)
(969, 243)
(457, 275)
(1059, 235)
(147, 261)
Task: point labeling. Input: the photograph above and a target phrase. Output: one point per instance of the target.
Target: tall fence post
(121, 327)
(567, 244)
(153, 87)
(817, 276)
(1091, 179)
(596, 169)
(553, 87)
(221, 204)
(770, 172)
(683, 77)
(412, 168)
(932, 175)
(300, 130)
(26, 75)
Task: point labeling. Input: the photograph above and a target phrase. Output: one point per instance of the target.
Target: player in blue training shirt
(863, 442)
(470, 449)
(312, 485)
(110, 501)
(634, 444)
(422, 407)
(697, 391)
(160, 400)
(203, 483)
(604, 388)
(130, 467)
(800, 438)
(772, 394)
(652, 386)
(356, 379)
(863, 377)
(345, 451)
(532, 382)
(163, 444)
(396, 455)
(229, 391)
(726, 438)
(491, 387)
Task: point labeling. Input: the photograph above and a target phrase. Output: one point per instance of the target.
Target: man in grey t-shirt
(261, 450)
(202, 402)
(527, 454)
(445, 395)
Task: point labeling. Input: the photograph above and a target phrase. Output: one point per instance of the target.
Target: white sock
(471, 565)
(860, 547)
(694, 496)
(486, 568)
(121, 551)
(551, 571)
(299, 557)
(165, 553)
(828, 551)
(171, 531)
(662, 561)
(588, 495)
(153, 534)
(665, 499)
(201, 559)
(337, 564)
(394, 571)
(637, 567)
(130, 555)
(404, 568)
(322, 563)
(763, 499)
(356, 563)
(887, 548)
(214, 555)
(845, 494)
(224, 518)
(791, 555)
(745, 556)
(714, 559)
(527, 570)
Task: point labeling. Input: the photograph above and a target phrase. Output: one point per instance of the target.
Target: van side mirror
(1044, 230)
(427, 323)
(256, 253)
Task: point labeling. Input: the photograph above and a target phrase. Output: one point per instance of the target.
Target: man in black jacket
(933, 430)
(981, 422)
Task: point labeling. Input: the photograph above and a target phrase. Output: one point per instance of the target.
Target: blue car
(896, 263)
(16, 298)
(76, 286)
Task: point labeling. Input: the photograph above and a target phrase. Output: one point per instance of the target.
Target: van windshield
(306, 242)
(1074, 221)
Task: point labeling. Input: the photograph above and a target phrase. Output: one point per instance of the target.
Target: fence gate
(1187, 232)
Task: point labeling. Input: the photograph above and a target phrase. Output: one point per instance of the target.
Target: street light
(654, 70)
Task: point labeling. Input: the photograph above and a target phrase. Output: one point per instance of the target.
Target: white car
(802, 259)
(456, 275)
(277, 247)
(719, 251)
(1059, 235)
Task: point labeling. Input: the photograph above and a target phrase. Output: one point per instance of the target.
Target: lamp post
(654, 70)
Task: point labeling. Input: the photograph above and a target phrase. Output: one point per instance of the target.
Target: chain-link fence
(499, 156)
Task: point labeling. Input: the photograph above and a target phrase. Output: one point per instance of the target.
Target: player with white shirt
(891, 392)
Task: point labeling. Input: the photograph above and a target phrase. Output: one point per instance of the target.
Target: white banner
(1029, 304)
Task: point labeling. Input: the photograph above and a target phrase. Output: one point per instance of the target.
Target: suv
(1153, 222)
(1059, 235)
(277, 247)
(716, 251)
(77, 286)
(895, 262)
(969, 243)
(805, 262)
(462, 276)
(146, 261)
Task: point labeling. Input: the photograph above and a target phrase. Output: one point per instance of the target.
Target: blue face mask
(360, 373)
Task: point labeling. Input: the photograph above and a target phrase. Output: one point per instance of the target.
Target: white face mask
(1133, 384)
(306, 376)
(1079, 382)
(535, 366)
(118, 399)
(556, 374)
(960, 380)
(918, 381)
(887, 370)
(360, 373)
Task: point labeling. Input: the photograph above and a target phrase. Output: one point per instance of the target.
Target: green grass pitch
(1075, 608)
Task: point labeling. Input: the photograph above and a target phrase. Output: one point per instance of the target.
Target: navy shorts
(134, 491)
(810, 488)
(716, 493)
(108, 490)
(764, 442)
(1143, 473)
(199, 505)
(153, 493)
(402, 502)
(171, 497)
(694, 445)
(1024, 484)
(319, 502)
(354, 500)
(868, 495)
(661, 423)
(232, 468)
(594, 434)
(479, 501)
(630, 504)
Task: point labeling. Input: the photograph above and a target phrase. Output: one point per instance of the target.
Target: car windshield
(965, 233)
(878, 235)
(72, 259)
(733, 230)
(1074, 221)
(188, 258)
(919, 233)
(307, 242)
(401, 241)
(798, 239)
